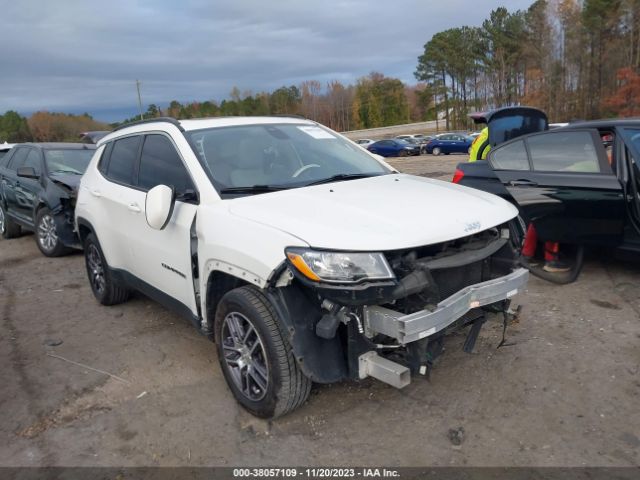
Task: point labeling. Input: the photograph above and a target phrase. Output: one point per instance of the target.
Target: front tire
(436, 151)
(8, 228)
(46, 235)
(104, 287)
(256, 360)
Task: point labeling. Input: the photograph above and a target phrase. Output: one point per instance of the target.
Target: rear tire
(104, 287)
(46, 235)
(255, 357)
(8, 228)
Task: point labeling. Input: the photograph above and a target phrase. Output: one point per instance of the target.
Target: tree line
(574, 59)
(46, 127)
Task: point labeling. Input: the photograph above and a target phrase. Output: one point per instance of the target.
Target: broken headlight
(339, 267)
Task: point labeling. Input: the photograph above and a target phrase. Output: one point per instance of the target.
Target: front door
(162, 258)
(26, 189)
(630, 151)
(562, 182)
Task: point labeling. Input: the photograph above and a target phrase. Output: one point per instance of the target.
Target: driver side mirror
(27, 172)
(159, 206)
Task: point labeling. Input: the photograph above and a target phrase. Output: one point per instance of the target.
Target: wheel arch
(84, 229)
(218, 284)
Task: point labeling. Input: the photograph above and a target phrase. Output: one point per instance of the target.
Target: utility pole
(139, 99)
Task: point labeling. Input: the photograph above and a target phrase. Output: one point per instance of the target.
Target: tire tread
(115, 293)
(295, 387)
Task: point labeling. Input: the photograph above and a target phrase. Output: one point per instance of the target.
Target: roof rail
(290, 115)
(170, 120)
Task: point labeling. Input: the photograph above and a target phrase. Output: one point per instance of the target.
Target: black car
(38, 187)
(579, 184)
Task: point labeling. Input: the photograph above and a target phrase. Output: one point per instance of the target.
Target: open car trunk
(511, 122)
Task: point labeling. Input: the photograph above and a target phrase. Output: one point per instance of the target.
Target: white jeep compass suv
(304, 256)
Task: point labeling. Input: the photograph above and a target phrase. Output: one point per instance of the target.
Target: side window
(33, 160)
(160, 164)
(104, 159)
(564, 152)
(4, 158)
(510, 157)
(18, 158)
(122, 160)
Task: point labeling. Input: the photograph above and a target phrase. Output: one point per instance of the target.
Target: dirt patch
(605, 304)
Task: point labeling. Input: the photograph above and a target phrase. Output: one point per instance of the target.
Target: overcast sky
(83, 55)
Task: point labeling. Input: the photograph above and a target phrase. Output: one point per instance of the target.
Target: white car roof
(201, 123)
(196, 124)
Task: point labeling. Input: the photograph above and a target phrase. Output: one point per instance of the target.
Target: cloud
(84, 55)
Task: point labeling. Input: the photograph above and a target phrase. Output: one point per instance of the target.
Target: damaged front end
(62, 199)
(388, 319)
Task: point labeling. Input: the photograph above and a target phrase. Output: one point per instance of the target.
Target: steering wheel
(304, 169)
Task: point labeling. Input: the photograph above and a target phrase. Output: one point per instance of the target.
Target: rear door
(561, 180)
(458, 144)
(114, 200)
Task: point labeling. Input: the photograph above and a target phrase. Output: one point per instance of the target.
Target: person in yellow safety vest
(480, 146)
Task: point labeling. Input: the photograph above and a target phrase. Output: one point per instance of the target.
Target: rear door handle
(96, 193)
(522, 183)
(134, 208)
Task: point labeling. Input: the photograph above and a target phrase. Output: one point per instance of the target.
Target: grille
(452, 280)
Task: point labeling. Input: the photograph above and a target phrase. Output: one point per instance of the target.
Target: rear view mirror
(159, 206)
(27, 172)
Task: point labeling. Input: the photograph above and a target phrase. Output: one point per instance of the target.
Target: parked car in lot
(415, 136)
(93, 136)
(364, 142)
(579, 184)
(449, 143)
(271, 236)
(38, 187)
(394, 148)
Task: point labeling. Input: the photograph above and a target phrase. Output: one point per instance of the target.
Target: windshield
(279, 155)
(68, 161)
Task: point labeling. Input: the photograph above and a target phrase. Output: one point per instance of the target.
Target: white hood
(380, 213)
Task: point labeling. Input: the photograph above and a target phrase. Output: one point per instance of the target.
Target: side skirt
(159, 296)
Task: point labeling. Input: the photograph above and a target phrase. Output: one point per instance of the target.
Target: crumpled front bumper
(418, 325)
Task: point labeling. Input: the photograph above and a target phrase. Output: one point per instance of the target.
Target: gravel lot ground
(564, 393)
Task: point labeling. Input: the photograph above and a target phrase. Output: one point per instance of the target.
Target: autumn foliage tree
(625, 102)
(61, 127)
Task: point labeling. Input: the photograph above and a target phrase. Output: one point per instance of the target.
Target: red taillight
(457, 176)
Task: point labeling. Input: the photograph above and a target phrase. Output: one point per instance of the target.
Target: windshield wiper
(253, 189)
(72, 172)
(344, 176)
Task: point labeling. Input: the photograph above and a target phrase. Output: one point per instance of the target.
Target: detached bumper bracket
(418, 325)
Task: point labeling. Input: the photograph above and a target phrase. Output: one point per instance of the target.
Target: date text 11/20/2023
(315, 473)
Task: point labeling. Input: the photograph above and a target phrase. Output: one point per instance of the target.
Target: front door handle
(522, 183)
(134, 208)
(96, 193)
